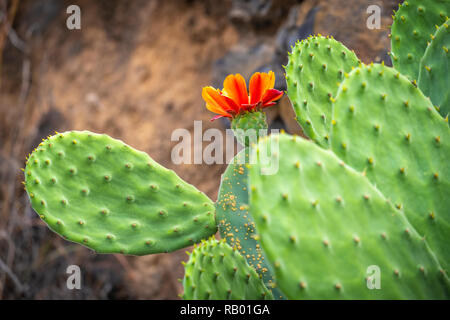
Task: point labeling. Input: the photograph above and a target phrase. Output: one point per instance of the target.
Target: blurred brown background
(135, 71)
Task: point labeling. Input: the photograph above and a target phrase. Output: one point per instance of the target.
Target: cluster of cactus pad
(371, 187)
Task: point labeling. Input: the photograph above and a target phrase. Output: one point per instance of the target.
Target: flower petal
(270, 96)
(232, 105)
(255, 88)
(268, 80)
(216, 102)
(268, 105)
(219, 116)
(235, 88)
(259, 84)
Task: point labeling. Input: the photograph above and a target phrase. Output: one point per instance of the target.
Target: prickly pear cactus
(235, 222)
(103, 194)
(413, 26)
(215, 271)
(316, 66)
(384, 126)
(247, 125)
(325, 228)
(434, 75)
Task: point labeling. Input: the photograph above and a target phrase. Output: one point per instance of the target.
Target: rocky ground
(135, 71)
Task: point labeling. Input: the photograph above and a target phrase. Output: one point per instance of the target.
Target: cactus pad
(100, 192)
(414, 23)
(386, 127)
(235, 222)
(323, 225)
(215, 271)
(434, 75)
(316, 66)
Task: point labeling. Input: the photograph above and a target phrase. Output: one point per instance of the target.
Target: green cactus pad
(246, 127)
(434, 75)
(386, 127)
(414, 24)
(215, 271)
(235, 222)
(324, 226)
(316, 66)
(101, 193)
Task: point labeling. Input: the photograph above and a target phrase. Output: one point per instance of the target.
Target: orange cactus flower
(234, 99)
